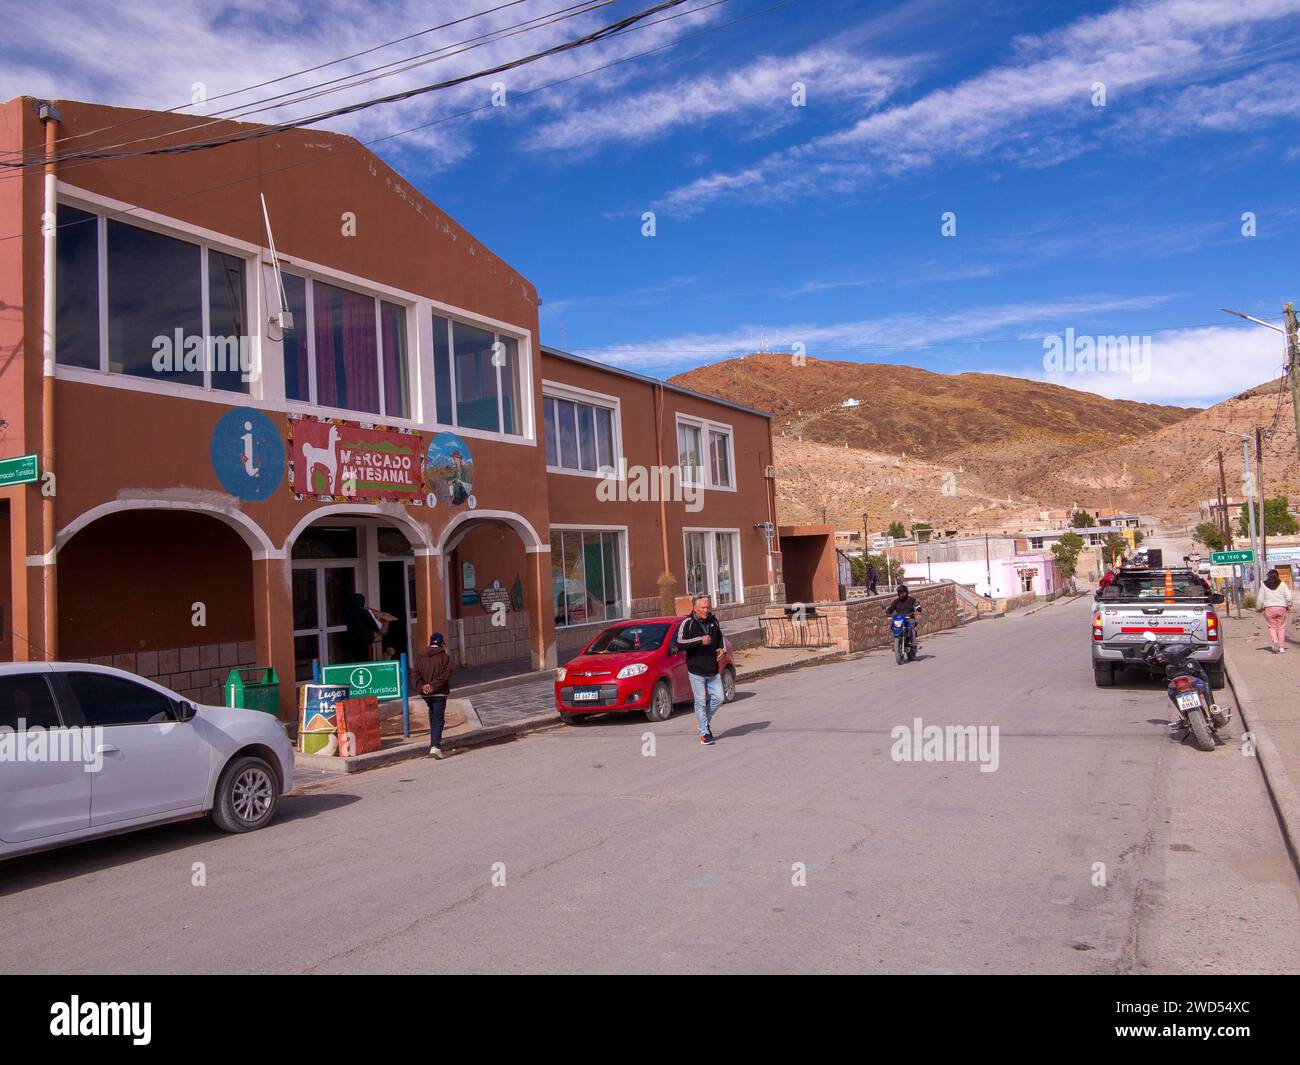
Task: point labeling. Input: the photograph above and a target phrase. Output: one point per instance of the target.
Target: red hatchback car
(628, 667)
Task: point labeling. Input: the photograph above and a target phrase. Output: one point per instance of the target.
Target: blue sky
(818, 225)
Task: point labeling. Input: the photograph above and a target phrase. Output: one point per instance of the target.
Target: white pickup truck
(1174, 604)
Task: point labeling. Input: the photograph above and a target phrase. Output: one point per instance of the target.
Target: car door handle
(108, 748)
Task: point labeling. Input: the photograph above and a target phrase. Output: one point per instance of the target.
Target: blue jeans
(707, 690)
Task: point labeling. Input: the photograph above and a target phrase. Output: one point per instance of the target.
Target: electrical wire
(284, 77)
(261, 174)
(349, 81)
(271, 130)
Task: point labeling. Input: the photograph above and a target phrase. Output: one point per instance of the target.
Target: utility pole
(1225, 526)
(1248, 485)
(1259, 487)
(1293, 363)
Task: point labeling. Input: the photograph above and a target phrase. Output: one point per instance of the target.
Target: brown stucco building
(233, 441)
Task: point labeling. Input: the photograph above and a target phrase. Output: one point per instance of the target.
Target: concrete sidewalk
(1266, 685)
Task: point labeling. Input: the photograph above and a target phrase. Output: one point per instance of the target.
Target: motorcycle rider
(905, 605)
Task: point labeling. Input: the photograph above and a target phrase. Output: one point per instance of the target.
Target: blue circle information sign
(248, 454)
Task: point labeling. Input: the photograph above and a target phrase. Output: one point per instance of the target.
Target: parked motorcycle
(904, 632)
(1189, 688)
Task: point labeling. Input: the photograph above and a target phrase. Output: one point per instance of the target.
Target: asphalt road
(616, 861)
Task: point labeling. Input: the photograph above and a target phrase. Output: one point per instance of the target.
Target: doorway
(321, 592)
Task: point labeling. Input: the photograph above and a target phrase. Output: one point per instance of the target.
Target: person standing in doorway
(700, 638)
(362, 626)
(1275, 602)
(433, 677)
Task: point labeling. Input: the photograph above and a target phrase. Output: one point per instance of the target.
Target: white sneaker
(436, 752)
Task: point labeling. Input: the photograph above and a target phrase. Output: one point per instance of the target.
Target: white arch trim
(521, 525)
(415, 532)
(249, 531)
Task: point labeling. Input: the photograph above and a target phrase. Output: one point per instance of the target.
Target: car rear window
(623, 638)
(1155, 586)
(26, 702)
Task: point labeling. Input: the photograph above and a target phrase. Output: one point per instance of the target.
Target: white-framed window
(588, 575)
(713, 565)
(347, 350)
(142, 303)
(476, 377)
(581, 429)
(705, 453)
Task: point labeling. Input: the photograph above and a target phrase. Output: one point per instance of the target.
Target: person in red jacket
(1107, 578)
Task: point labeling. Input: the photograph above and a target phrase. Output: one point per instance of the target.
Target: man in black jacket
(700, 637)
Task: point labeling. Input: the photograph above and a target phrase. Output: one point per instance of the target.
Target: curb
(772, 671)
(1053, 602)
(406, 751)
(1277, 781)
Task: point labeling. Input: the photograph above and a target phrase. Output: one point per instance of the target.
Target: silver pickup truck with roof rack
(1175, 605)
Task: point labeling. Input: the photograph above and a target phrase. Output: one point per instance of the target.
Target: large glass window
(154, 306)
(230, 340)
(688, 453)
(713, 565)
(719, 458)
(349, 352)
(477, 378)
(77, 321)
(347, 369)
(579, 436)
(704, 453)
(586, 576)
(297, 371)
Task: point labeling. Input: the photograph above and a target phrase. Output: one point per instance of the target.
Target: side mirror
(1216, 598)
(185, 710)
(1096, 596)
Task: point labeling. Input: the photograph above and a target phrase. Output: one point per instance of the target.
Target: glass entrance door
(320, 597)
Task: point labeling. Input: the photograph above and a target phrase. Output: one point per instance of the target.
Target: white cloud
(1188, 367)
(1036, 110)
(864, 338)
(831, 77)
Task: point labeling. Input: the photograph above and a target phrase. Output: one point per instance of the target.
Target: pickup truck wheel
(246, 797)
(1104, 674)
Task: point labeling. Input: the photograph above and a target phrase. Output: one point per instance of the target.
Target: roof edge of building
(581, 361)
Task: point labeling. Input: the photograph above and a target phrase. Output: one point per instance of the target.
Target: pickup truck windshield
(1156, 585)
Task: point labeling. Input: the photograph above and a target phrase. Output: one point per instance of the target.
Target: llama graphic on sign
(327, 457)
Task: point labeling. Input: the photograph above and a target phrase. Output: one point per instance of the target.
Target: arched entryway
(492, 564)
(339, 552)
(166, 592)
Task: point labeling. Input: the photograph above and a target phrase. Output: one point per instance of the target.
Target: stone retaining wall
(860, 624)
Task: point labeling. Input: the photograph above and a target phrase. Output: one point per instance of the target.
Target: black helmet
(902, 591)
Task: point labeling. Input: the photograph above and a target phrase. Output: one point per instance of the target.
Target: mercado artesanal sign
(336, 461)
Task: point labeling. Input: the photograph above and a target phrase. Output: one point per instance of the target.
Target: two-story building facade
(265, 379)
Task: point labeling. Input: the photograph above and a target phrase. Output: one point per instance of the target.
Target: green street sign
(20, 470)
(1232, 558)
(383, 680)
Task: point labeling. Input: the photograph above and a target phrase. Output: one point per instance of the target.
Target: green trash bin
(253, 689)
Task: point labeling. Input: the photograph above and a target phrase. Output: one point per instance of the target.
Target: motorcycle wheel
(900, 655)
(1198, 720)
